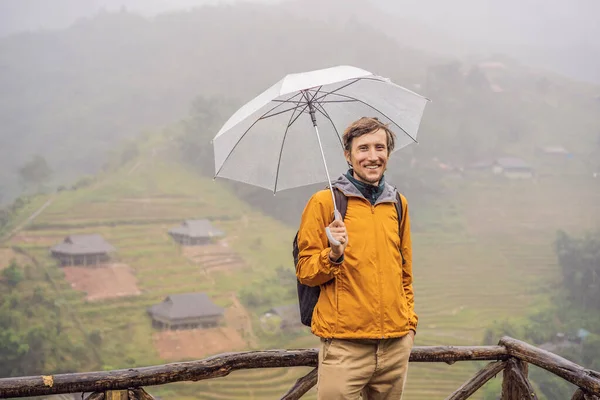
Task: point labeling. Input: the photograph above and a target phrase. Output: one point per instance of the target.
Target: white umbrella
(268, 141)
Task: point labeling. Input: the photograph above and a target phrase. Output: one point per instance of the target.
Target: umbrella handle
(333, 241)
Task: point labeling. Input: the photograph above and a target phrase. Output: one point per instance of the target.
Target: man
(365, 313)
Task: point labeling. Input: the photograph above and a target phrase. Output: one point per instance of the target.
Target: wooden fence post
(515, 385)
(116, 395)
(473, 384)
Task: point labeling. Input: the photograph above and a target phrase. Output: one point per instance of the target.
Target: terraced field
(485, 254)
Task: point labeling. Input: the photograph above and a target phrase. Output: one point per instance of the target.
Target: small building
(82, 250)
(289, 316)
(513, 168)
(554, 151)
(194, 232)
(186, 311)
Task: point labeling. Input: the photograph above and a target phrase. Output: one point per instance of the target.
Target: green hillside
(483, 252)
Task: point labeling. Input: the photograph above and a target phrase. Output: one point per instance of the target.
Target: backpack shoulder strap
(398, 205)
(341, 202)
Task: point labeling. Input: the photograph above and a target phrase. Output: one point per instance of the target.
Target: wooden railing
(510, 356)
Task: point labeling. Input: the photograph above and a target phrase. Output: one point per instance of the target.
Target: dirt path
(28, 220)
(134, 168)
(239, 314)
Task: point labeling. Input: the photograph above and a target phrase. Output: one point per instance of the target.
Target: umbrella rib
(308, 91)
(299, 104)
(265, 116)
(280, 112)
(322, 110)
(374, 108)
(290, 123)
(279, 105)
(365, 78)
(321, 102)
(298, 116)
(337, 101)
(245, 132)
(306, 105)
(304, 101)
(281, 102)
(288, 101)
(283, 143)
(336, 90)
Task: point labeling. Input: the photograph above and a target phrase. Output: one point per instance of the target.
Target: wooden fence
(510, 356)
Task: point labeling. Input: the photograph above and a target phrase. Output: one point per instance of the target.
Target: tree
(35, 172)
(579, 259)
(206, 117)
(13, 274)
(32, 339)
(12, 349)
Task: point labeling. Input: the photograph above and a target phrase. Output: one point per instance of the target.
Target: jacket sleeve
(407, 272)
(314, 266)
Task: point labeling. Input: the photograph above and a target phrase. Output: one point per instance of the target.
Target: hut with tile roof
(82, 250)
(195, 232)
(186, 311)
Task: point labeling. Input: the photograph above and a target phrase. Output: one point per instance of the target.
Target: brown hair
(367, 125)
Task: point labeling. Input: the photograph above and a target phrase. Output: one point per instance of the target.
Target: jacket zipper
(380, 278)
(379, 275)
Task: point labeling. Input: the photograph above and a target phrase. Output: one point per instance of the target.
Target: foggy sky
(23, 15)
(556, 34)
(562, 35)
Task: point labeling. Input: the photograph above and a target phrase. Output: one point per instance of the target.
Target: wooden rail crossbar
(510, 356)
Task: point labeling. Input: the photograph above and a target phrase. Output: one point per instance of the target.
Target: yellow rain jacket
(370, 294)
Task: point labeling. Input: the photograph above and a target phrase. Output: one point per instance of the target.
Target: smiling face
(368, 156)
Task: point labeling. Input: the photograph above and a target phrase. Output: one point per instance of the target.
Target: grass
(483, 253)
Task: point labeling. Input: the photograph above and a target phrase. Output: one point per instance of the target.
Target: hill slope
(483, 253)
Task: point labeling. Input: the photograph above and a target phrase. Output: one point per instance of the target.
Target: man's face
(368, 156)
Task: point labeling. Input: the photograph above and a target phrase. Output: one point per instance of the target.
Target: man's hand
(338, 231)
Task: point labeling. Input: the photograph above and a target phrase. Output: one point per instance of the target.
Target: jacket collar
(350, 190)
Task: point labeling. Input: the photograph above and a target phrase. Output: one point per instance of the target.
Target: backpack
(309, 295)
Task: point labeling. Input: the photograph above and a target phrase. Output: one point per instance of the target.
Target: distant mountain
(552, 34)
(17, 16)
(556, 35)
(73, 95)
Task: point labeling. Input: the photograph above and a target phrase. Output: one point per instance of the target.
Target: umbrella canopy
(270, 142)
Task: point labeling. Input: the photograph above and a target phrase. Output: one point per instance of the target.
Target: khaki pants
(374, 368)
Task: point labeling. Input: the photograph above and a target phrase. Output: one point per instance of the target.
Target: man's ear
(347, 155)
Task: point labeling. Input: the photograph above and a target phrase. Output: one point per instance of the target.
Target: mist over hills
(555, 35)
(72, 95)
(75, 95)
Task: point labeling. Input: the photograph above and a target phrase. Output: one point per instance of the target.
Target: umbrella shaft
(313, 117)
(326, 169)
